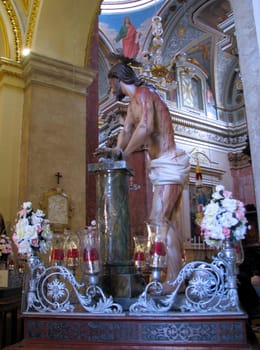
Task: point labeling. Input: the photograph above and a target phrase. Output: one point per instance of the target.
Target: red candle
(90, 254)
(72, 253)
(158, 248)
(139, 256)
(57, 254)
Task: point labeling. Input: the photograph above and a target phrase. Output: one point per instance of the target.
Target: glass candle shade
(158, 253)
(72, 257)
(91, 260)
(157, 245)
(90, 252)
(140, 253)
(239, 250)
(139, 260)
(57, 256)
(71, 251)
(57, 251)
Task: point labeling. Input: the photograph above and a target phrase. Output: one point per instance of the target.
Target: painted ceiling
(204, 30)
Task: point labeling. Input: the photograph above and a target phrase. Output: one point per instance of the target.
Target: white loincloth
(170, 168)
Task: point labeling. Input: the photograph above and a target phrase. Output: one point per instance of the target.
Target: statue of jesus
(148, 123)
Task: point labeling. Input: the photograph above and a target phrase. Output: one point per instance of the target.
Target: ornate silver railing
(209, 287)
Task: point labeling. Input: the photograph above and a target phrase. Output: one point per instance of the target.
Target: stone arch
(68, 38)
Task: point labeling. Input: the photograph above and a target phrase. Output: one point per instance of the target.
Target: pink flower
(206, 233)
(22, 212)
(239, 214)
(227, 194)
(240, 204)
(39, 228)
(226, 232)
(35, 242)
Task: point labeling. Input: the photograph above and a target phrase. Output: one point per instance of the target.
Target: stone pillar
(113, 226)
(11, 119)
(248, 32)
(54, 132)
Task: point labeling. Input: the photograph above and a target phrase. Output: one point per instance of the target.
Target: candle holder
(57, 251)
(71, 251)
(157, 248)
(90, 254)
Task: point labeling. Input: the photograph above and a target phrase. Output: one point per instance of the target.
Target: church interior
(57, 108)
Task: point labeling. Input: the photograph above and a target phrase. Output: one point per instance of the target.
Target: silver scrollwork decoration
(209, 287)
(55, 289)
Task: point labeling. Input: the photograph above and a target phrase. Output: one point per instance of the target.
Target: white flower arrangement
(223, 218)
(32, 231)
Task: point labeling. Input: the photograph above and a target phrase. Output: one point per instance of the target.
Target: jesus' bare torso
(148, 123)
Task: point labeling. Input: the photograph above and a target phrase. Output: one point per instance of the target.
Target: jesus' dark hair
(125, 73)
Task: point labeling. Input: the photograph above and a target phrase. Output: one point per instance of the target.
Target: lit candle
(91, 258)
(139, 259)
(57, 256)
(158, 254)
(72, 257)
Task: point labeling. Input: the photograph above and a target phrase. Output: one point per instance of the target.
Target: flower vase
(234, 251)
(230, 258)
(33, 261)
(239, 250)
(228, 249)
(229, 252)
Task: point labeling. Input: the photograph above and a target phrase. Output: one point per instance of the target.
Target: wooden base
(181, 331)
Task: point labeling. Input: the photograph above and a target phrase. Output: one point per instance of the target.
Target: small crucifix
(58, 175)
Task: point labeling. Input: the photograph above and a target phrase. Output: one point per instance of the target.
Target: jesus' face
(116, 88)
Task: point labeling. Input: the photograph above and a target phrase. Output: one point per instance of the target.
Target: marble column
(112, 215)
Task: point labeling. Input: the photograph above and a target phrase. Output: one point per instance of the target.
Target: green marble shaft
(112, 215)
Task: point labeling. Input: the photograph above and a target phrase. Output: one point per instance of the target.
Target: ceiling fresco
(193, 27)
(196, 27)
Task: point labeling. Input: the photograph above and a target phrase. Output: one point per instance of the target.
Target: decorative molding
(5, 42)
(10, 69)
(239, 160)
(26, 4)
(31, 24)
(15, 28)
(53, 72)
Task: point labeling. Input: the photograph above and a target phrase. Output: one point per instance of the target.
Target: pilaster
(54, 131)
(11, 105)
